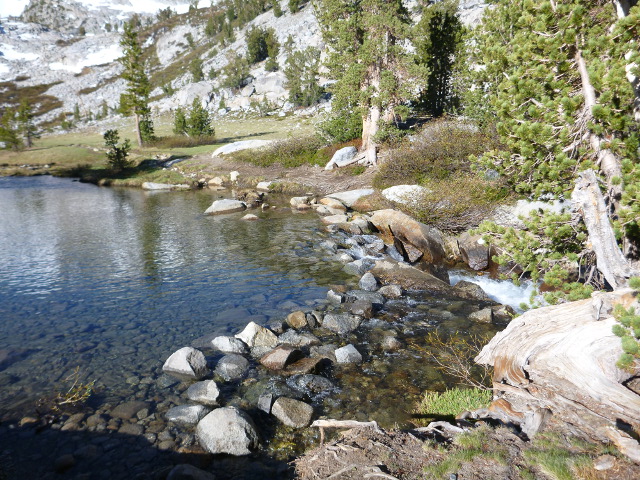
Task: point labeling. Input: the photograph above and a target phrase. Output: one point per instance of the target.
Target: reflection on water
(114, 280)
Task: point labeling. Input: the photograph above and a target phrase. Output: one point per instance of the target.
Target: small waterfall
(502, 291)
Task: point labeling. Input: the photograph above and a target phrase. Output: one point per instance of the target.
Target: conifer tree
(559, 76)
(26, 125)
(179, 122)
(302, 71)
(368, 57)
(136, 98)
(199, 121)
(9, 132)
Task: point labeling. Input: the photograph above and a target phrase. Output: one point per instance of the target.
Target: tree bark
(563, 358)
(370, 124)
(588, 200)
(138, 133)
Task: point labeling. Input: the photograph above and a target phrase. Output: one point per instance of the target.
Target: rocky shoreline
(271, 381)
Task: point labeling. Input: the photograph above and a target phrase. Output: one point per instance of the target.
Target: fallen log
(331, 423)
(562, 359)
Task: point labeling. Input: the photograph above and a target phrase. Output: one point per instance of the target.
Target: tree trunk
(563, 358)
(138, 133)
(587, 199)
(370, 124)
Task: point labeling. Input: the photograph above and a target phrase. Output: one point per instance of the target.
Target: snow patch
(105, 55)
(8, 52)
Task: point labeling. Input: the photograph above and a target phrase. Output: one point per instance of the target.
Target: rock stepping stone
(187, 362)
(206, 393)
(292, 413)
(227, 430)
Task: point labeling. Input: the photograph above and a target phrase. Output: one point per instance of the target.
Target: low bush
(289, 153)
(438, 150)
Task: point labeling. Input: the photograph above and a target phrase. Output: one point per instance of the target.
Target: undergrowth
(628, 329)
(450, 403)
(289, 153)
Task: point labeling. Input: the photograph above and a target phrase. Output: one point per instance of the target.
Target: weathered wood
(610, 261)
(562, 358)
(329, 423)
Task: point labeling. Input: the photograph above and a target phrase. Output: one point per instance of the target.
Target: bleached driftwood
(588, 199)
(562, 358)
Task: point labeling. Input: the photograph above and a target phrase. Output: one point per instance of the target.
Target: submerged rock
(292, 413)
(227, 430)
(350, 197)
(189, 472)
(341, 323)
(187, 414)
(187, 362)
(296, 339)
(128, 410)
(311, 384)
(297, 320)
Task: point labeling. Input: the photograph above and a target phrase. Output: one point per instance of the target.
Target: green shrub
(628, 329)
(182, 141)
(342, 125)
(236, 72)
(438, 150)
(117, 154)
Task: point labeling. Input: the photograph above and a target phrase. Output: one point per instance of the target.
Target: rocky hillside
(68, 50)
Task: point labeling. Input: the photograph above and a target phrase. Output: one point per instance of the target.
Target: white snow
(8, 52)
(4, 69)
(16, 7)
(105, 55)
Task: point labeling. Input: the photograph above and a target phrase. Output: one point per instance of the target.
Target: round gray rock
(232, 367)
(187, 362)
(292, 413)
(368, 282)
(206, 393)
(341, 323)
(225, 206)
(227, 430)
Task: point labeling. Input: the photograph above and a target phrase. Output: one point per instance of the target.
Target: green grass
(452, 402)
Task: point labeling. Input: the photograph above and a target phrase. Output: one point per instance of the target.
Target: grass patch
(467, 446)
(182, 141)
(448, 404)
(289, 153)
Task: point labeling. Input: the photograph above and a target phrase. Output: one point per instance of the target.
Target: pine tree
(273, 48)
(179, 122)
(9, 132)
(26, 125)
(199, 121)
(367, 56)
(117, 153)
(302, 72)
(136, 98)
(438, 38)
(559, 76)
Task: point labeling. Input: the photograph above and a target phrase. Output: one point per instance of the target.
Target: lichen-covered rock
(341, 323)
(187, 414)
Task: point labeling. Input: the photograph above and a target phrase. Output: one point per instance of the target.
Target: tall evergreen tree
(136, 98)
(438, 39)
(199, 121)
(26, 125)
(302, 72)
(367, 56)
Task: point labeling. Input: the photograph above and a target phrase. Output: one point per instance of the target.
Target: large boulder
(225, 206)
(255, 335)
(271, 83)
(292, 413)
(398, 225)
(350, 197)
(390, 272)
(474, 251)
(227, 430)
(187, 362)
(206, 393)
(343, 157)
